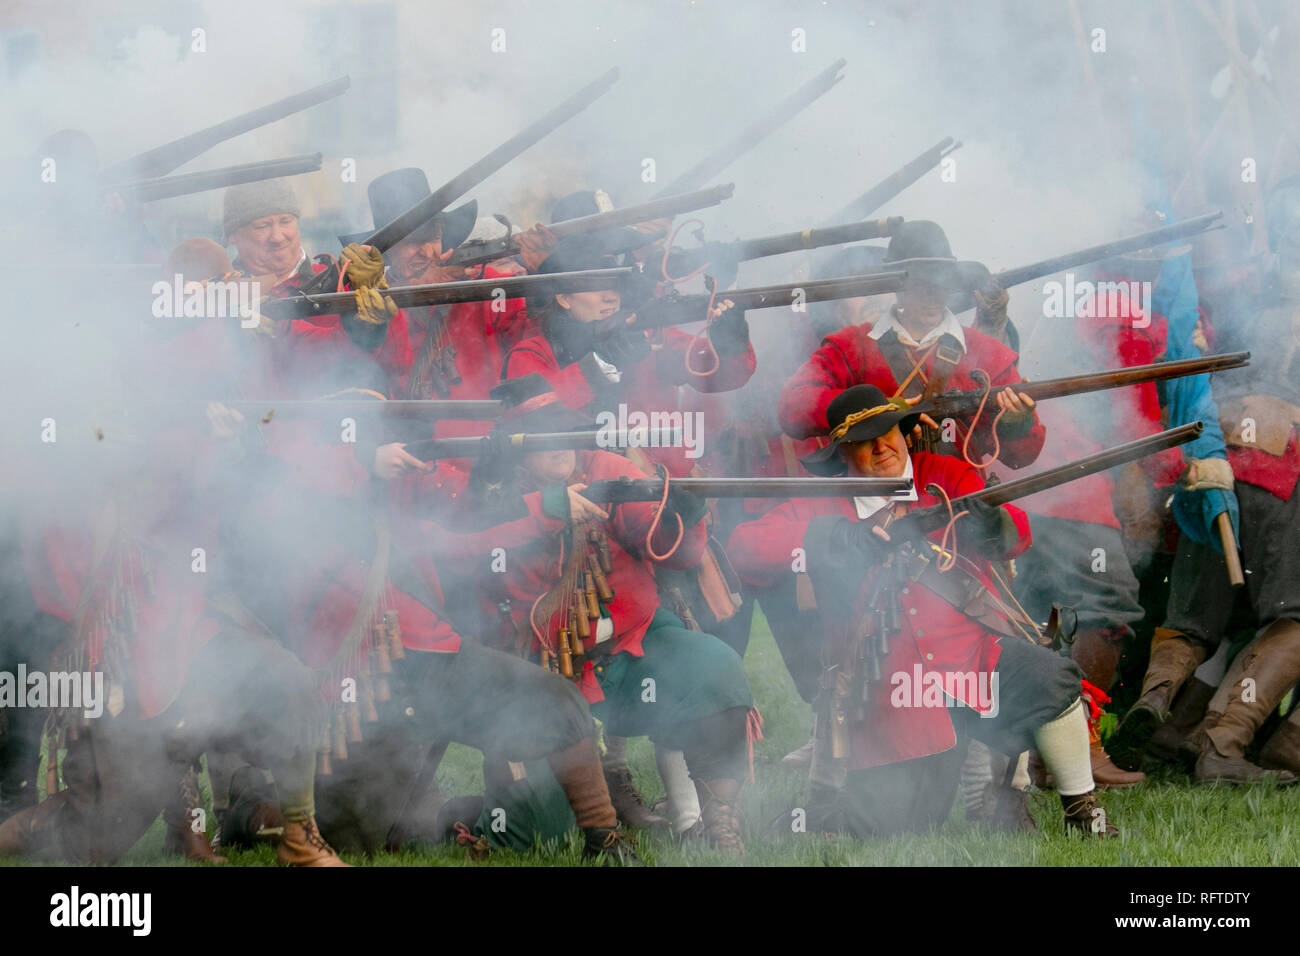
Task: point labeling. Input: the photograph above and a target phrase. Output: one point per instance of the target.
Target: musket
(676, 309)
(478, 253)
(962, 301)
(755, 132)
(727, 255)
(432, 410)
(896, 182)
(955, 404)
(167, 187)
(163, 159)
(430, 449)
(935, 517)
(621, 490)
(302, 305)
(390, 234)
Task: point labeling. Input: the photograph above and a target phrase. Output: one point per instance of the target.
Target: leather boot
(627, 802)
(1096, 650)
(1173, 660)
(1187, 713)
(182, 839)
(611, 846)
(302, 845)
(1083, 815)
(1104, 772)
(1006, 809)
(720, 815)
(1282, 752)
(1272, 664)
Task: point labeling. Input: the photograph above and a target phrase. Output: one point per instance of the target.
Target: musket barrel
(750, 136)
(433, 448)
(420, 410)
(895, 182)
(664, 208)
(394, 232)
(163, 159)
(651, 489)
(747, 249)
(167, 187)
(963, 301)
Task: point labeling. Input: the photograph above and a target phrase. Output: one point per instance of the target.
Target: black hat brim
(951, 275)
(826, 462)
(457, 224)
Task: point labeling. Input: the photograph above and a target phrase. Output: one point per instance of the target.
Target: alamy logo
(102, 909)
(59, 689)
(637, 429)
(216, 299)
(948, 689)
(1130, 301)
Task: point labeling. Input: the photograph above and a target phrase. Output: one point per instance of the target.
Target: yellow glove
(365, 267)
(374, 308)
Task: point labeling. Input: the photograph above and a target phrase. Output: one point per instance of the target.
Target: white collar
(869, 505)
(948, 326)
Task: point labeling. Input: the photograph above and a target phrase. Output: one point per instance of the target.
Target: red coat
(936, 638)
(850, 357)
(652, 386)
(532, 547)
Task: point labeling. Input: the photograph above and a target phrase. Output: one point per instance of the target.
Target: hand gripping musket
(163, 159)
(390, 234)
(676, 309)
(166, 187)
(476, 253)
(756, 132)
(724, 256)
(959, 403)
(896, 182)
(302, 305)
(962, 301)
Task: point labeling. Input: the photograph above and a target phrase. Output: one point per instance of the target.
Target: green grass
(1165, 822)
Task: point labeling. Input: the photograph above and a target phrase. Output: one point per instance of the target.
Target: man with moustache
(321, 354)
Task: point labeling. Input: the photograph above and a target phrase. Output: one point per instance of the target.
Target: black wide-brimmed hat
(393, 193)
(529, 404)
(859, 413)
(921, 247)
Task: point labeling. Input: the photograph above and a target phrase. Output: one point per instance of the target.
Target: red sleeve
(958, 478)
(805, 396)
(522, 531)
(763, 551)
(570, 383)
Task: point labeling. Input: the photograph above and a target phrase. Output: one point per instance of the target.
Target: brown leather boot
(1188, 712)
(1173, 661)
(302, 845)
(182, 839)
(720, 815)
(1083, 815)
(1265, 670)
(1096, 650)
(1282, 752)
(628, 803)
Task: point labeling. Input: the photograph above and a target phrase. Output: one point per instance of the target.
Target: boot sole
(1130, 739)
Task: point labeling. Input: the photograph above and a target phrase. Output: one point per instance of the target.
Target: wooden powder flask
(566, 652)
(593, 605)
(324, 767)
(602, 585)
(379, 651)
(544, 659)
(601, 545)
(366, 694)
(580, 608)
(394, 631)
(353, 711)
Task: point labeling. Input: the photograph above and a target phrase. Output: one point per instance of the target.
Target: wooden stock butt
(1230, 555)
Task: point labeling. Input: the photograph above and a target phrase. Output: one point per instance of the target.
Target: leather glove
(858, 538)
(373, 307)
(624, 349)
(365, 267)
(690, 508)
(1203, 473)
(729, 333)
(989, 527)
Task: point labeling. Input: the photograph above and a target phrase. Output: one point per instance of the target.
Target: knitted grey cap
(248, 201)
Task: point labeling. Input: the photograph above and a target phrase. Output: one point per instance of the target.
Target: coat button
(911, 610)
(920, 633)
(929, 657)
(904, 591)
